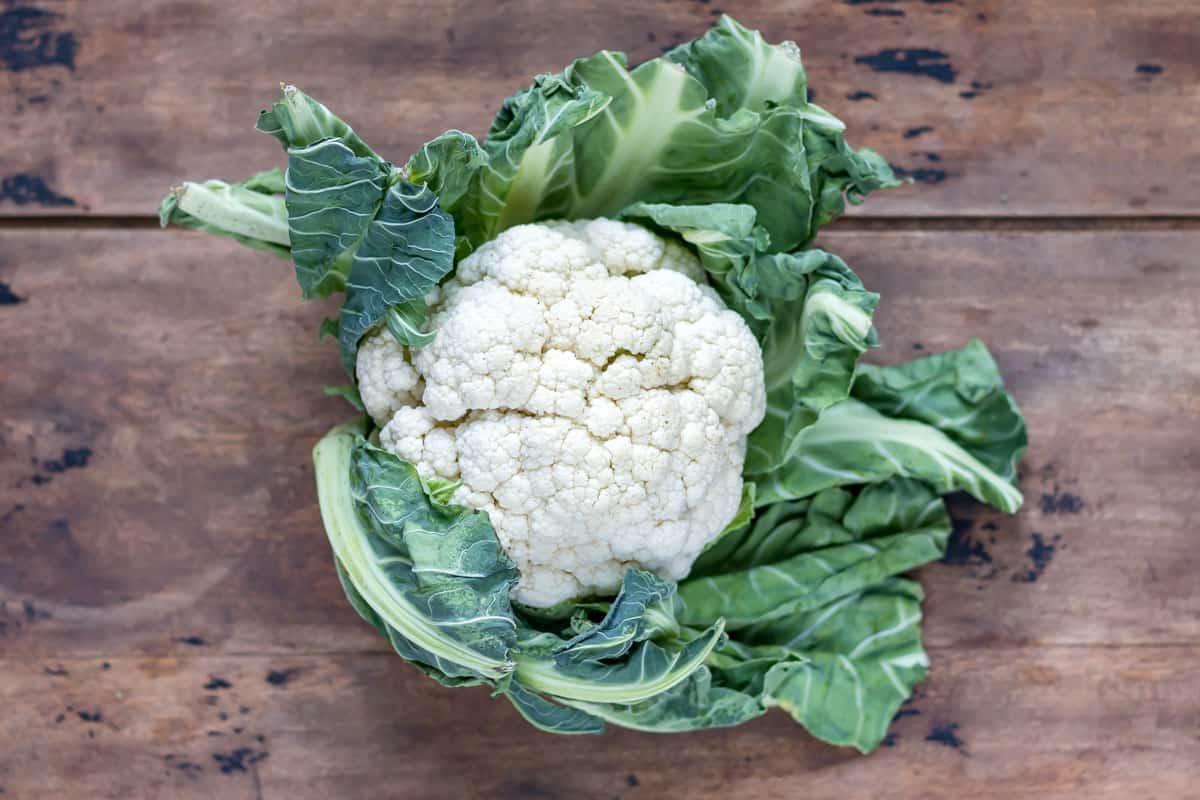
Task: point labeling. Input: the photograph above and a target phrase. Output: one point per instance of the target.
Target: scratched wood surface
(170, 626)
(995, 107)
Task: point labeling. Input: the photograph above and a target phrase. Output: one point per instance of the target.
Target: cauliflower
(590, 393)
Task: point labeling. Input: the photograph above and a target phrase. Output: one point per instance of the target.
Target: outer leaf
(806, 581)
(723, 120)
(863, 657)
(780, 531)
(898, 504)
(407, 249)
(838, 547)
(741, 70)
(660, 141)
(297, 120)
(436, 577)
(332, 196)
(728, 243)
(348, 393)
(251, 211)
(550, 717)
(451, 166)
(643, 609)
(647, 671)
(809, 354)
(530, 149)
(402, 645)
(961, 394)
(693, 704)
(853, 443)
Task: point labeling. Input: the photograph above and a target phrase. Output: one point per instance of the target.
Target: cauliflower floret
(590, 392)
(387, 382)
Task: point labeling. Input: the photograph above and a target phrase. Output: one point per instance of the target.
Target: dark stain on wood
(913, 133)
(919, 61)
(215, 684)
(1041, 553)
(30, 38)
(238, 760)
(192, 641)
(1149, 70)
(25, 189)
(946, 734)
(962, 549)
(8, 297)
(277, 677)
(72, 458)
(1058, 502)
(856, 96)
(884, 12)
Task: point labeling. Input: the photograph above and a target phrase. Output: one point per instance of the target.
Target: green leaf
(407, 249)
(806, 581)
(435, 576)
(819, 625)
(332, 196)
(406, 320)
(863, 656)
(297, 120)
(728, 243)
(741, 70)
(644, 606)
(403, 647)
(440, 490)
(348, 393)
(853, 443)
(649, 669)
(722, 120)
(690, 705)
(897, 504)
(329, 327)
(251, 211)
(809, 353)
(780, 531)
(551, 717)
(961, 394)
(451, 165)
(800, 556)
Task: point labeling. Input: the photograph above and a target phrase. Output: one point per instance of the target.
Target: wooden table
(170, 624)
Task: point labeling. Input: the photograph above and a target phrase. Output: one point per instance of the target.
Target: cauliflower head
(590, 392)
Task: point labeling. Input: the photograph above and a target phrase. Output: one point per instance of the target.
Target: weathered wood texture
(1047, 722)
(170, 625)
(156, 482)
(997, 107)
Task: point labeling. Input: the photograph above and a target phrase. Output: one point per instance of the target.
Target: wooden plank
(161, 393)
(997, 108)
(1053, 722)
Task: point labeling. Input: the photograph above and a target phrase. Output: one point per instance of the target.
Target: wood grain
(170, 624)
(997, 107)
(186, 373)
(1052, 722)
